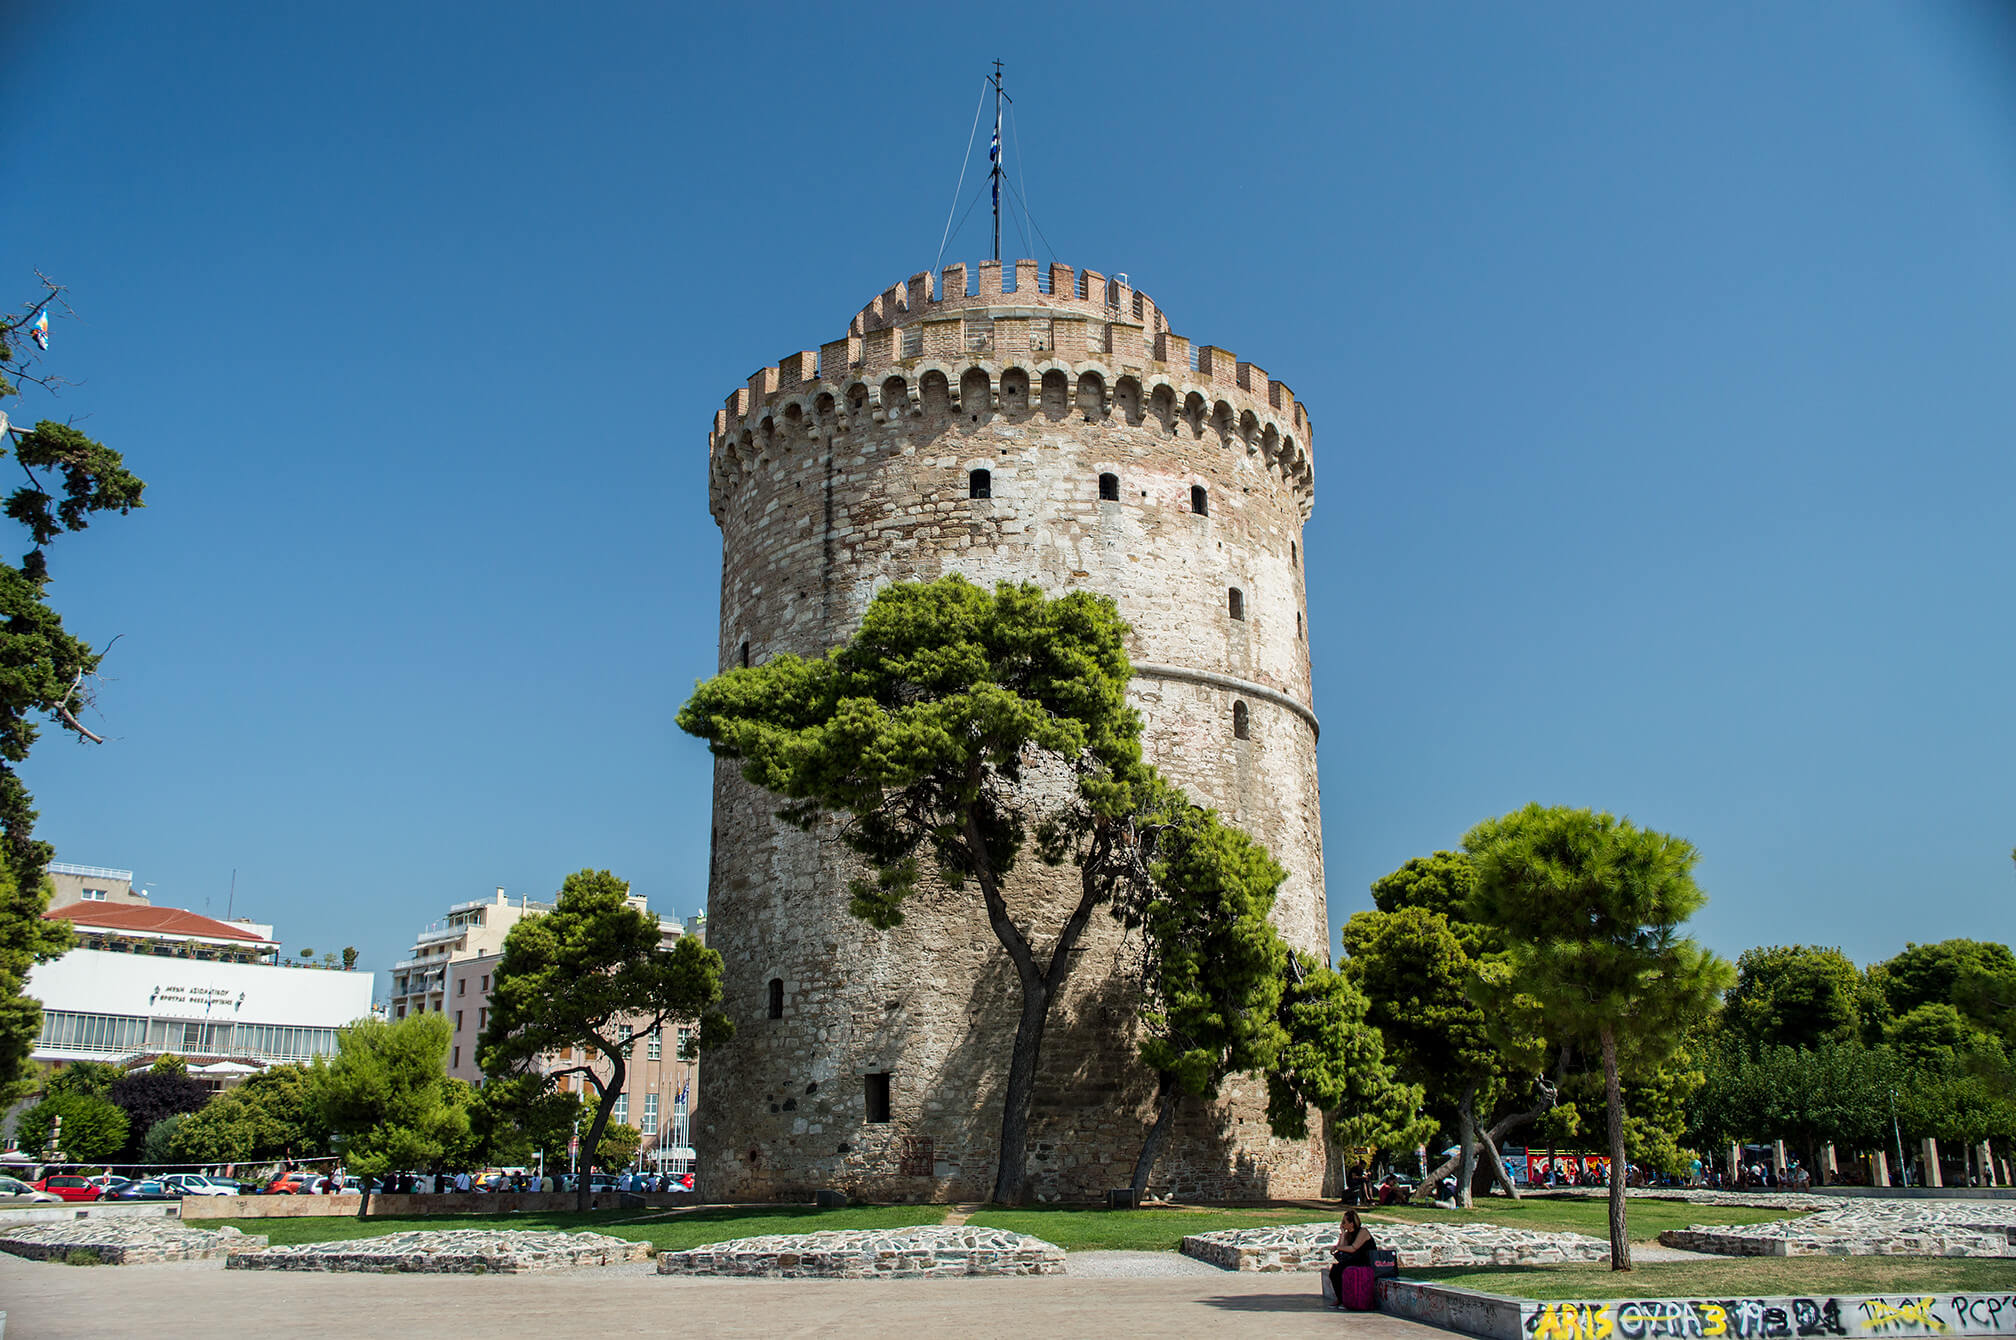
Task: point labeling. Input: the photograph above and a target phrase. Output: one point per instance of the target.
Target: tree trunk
(1613, 1093)
(1466, 1145)
(1028, 1050)
(584, 1189)
(1498, 1168)
(1041, 986)
(1503, 1127)
(1167, 1096)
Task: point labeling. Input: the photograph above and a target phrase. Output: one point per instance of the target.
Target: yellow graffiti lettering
(1572, 1321)
(1912, 1312)
(1714, 1319)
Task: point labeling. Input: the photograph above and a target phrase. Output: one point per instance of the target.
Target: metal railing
(89, 871)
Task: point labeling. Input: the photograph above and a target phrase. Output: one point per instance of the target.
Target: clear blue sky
(1660, 360)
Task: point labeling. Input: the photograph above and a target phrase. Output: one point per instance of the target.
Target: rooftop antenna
(233, 901)
(994, 156)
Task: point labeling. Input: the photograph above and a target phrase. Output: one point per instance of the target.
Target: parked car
(149, 1188)
(293, 1184)
(14, 1191)
(195, 1184)
(68, 1187)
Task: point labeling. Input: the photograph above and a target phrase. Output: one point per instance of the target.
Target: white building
(101, 1005)
(146, 980)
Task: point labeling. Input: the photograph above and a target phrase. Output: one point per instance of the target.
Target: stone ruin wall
(835, 473)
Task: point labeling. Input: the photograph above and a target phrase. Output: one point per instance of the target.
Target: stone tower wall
(836, 472)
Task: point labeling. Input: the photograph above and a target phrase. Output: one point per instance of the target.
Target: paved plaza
(201, 1299)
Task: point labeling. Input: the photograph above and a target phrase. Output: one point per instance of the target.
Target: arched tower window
(1241, 729)
(1200, 501)
(979, 484)
(1235, 603)
(1294, 561)
(745, 653)
(1109, 488)
(777, 996)
(1298, 627)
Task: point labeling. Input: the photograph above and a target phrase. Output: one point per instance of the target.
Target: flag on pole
(994, 161)
(39, 332)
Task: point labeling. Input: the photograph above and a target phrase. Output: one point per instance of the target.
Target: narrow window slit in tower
(1235, 600)
(878, 1097)
(1293, 561)
(745, 653)
(1109, 488)
(1200, 501)
(776, 997)
(979, 484)
(1240, 729)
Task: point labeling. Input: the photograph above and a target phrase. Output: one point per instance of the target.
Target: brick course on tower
(834, 473)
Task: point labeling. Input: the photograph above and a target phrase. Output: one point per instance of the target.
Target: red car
(70, 1188)
(293, 1184)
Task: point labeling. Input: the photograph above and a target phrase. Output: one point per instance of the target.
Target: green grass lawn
(1078, 1229)
(1738, 1277)
(1647, 1219)
(671, 1232)
(1074, 1228)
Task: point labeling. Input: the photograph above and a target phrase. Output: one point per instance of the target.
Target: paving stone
(892, 1253)
(124, 1242)
(462, 1251)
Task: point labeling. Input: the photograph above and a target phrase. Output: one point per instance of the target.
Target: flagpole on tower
(994, 157)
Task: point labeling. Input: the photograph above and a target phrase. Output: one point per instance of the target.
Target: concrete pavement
(200, 1299)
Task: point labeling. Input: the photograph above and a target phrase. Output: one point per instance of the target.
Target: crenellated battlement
(1055, 288)
(1086, 343)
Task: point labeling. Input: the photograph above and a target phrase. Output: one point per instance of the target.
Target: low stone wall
(1854, 1317)
(1744, 1241)
(1308, 1246)
(124, 1241)
(1465, 1310)
(892, 1253)
(399, 1207)
(448, 1252)
(1921, 1192)
(65, 1211)
(1868, 1227)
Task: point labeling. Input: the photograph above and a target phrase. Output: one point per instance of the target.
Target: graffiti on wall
(1876, 1318)
(1578, 1169)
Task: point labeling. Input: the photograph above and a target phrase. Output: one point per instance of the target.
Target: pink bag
(1360, 1289)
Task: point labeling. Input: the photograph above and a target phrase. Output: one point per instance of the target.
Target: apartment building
(92, 884)
(469, 930)
(450, 971)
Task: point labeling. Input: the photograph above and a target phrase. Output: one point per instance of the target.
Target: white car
(14, 1191)
(191, 1184)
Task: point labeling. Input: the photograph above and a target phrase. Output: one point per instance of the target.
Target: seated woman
(1354, 1248)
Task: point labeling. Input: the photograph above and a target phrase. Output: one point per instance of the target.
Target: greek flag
(994, 160)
